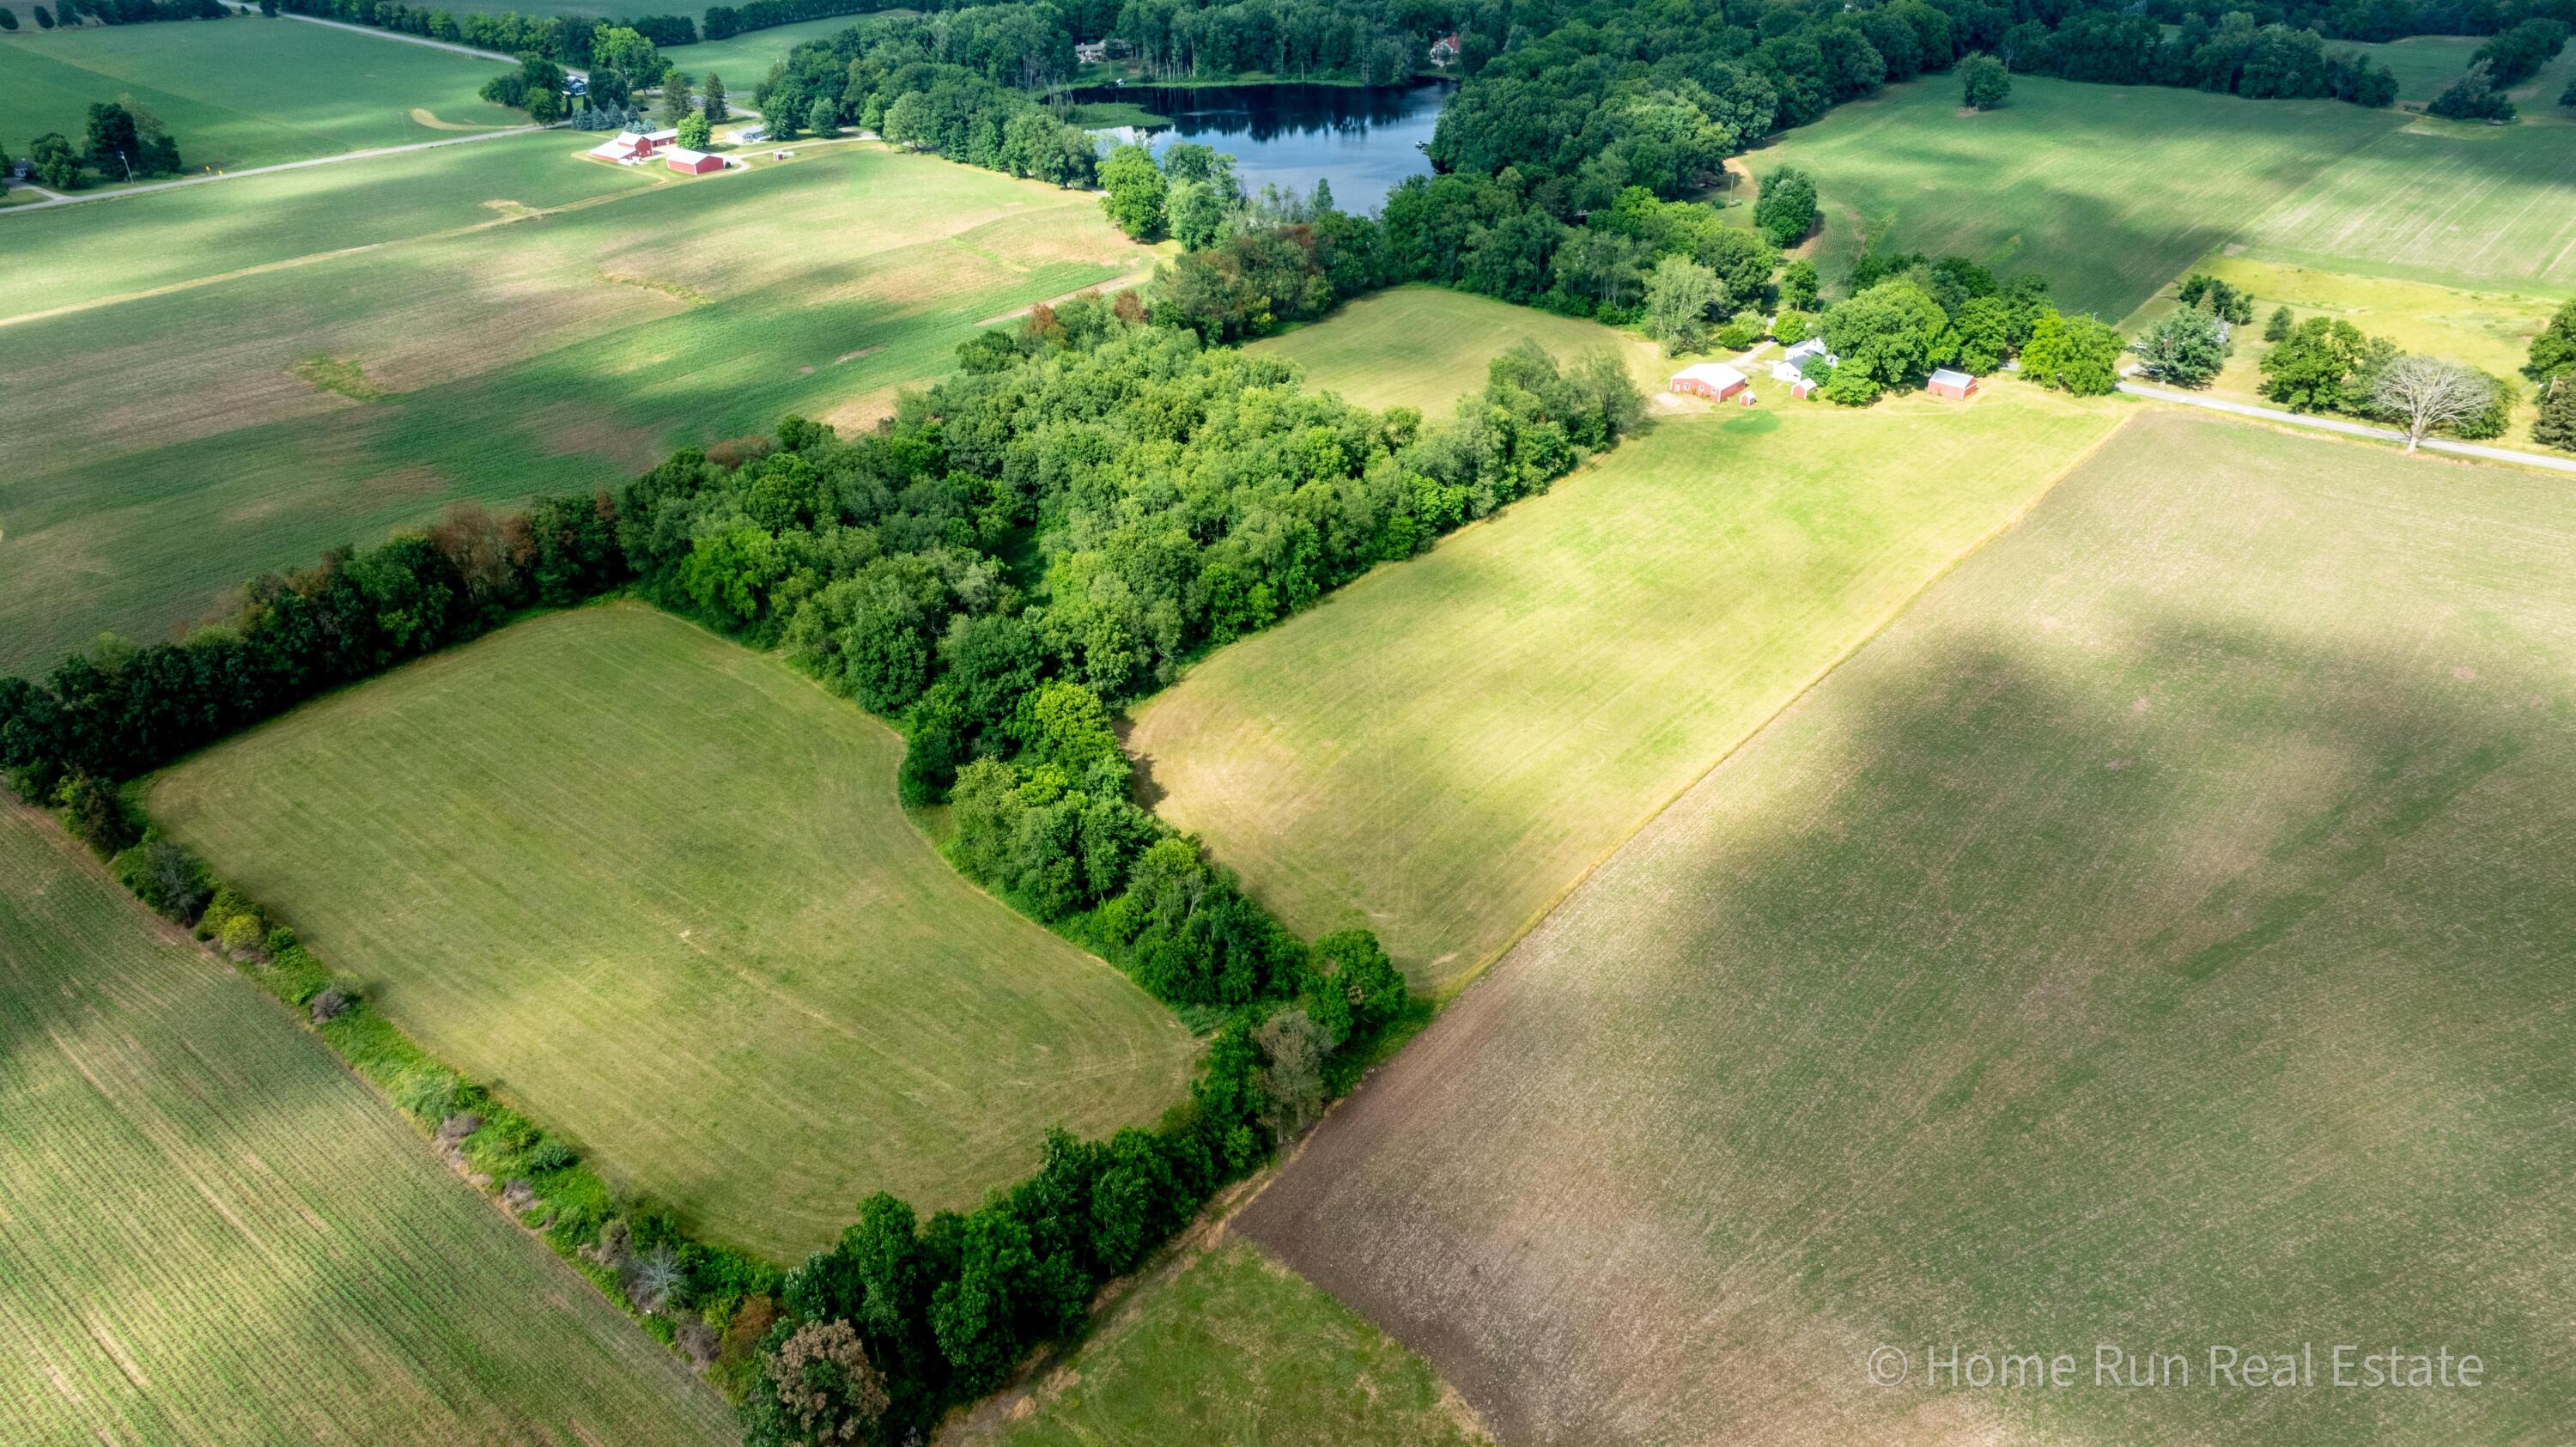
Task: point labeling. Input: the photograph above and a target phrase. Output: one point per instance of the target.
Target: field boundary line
(312, 257)
(369, 154)
(1868, 635)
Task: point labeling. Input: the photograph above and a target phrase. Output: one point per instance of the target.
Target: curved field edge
(210, 1232)
(656, 890)
(2149, 939)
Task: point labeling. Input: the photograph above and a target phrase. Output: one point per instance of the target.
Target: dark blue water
(1363, 140)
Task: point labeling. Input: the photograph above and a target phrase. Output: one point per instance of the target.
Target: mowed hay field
(1228, 1346)
(2438, 201)
(1424, 347)
(656, 889)
(211, 1232)
(244, 92)
(552, 324)
(1441, 749)
(2158, 937)
(2108, 191)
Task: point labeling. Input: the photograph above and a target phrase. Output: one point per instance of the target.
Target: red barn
(694, 163)
(1946, 383)
(1714, 380)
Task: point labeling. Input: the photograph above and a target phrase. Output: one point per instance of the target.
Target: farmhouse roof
(615, 148)
(659, 136)
(1948, 378)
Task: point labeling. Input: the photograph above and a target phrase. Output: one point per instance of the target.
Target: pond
(1364, 140)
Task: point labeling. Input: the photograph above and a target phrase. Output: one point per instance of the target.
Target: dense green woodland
(1056, 529)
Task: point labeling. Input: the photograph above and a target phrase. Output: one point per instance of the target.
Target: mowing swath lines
(656, 887)
(212, 1233)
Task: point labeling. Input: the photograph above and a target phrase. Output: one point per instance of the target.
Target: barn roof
(1715, 374)
(1948, 378)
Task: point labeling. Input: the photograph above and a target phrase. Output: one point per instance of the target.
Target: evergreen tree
(2278, 325)
(2556, 425)
(715, 95)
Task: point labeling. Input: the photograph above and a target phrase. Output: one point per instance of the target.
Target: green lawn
(211, 1232)
(1443, 748)
(2109, 191)
(2158, 937)
(657, 888)
(640, 312)
(244, 92)
(1424, 347)
(1231, 1348)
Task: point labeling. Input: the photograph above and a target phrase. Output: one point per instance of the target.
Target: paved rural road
(77, 200)
(2349, 429)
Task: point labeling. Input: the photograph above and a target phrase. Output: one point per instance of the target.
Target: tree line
(1057, 529)
(116, 12)
(125, 141)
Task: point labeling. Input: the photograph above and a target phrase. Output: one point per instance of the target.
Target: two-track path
(79, 198)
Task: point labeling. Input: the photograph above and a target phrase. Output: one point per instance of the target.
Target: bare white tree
(2427, 392)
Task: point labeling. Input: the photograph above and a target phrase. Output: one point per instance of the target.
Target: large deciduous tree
(1984, 83)
(2073, 354)
(2317, 367)
(2421, 394)
(1680, 294)
(1133, 191)
(1785, 208)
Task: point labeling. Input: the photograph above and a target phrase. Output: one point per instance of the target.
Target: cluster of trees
(2510, 58)
(1372, 42)
(567, 40)
(2236, 56)
(2326, 364)
(2379, 19)
(960, 83)
(120, 710)
(118, 12)
(1908, 314)
(125, 141)
(2552, 365)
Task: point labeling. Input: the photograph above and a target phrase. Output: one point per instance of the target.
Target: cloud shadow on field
(2145, 975)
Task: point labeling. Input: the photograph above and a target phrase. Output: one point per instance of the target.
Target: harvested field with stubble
(1443, 748)
(2159, 937)
(211, 1233)
(531, 322)
(656, 889)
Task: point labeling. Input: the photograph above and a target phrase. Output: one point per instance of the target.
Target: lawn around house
(211, 1232)
(246, 91)
(516, 353)
(1441, 749)
(656, 889)
(2153, 938)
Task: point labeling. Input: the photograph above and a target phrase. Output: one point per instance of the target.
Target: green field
(211, 1233)
(2109, 191)
(1441, 749)
(244, 92)
(1230, 1347)
(542, 322)
(743, 60)
(2157, 937)
(1424, 347)
(657, 888)
(2441, 202)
